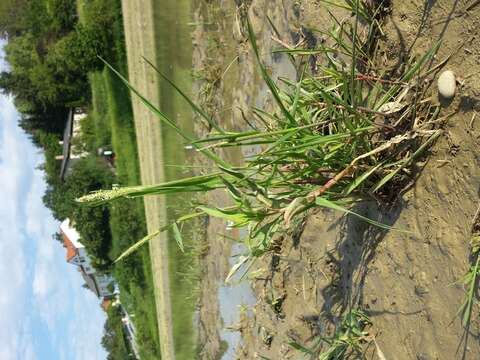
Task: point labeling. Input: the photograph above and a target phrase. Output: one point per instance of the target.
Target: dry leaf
(391, 107)
(380, 354)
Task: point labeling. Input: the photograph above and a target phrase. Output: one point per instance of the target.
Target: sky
(45, 313)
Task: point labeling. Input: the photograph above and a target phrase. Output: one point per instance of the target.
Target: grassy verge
(112, 125)
(127, 218)
(171, 20)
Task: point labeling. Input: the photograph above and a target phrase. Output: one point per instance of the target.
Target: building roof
(71, 239)
(90, 281)
(71, 233)
(67, 143)
(71, 250)
(106, 303)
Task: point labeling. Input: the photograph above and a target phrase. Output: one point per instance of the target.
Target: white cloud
(13, 262)
(3, 64)
(86, 328)
(51, 283)
(42, 295)
(57, 286)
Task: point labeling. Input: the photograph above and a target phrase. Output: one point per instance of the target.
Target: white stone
(447, 84)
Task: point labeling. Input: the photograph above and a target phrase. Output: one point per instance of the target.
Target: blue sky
(45, 313)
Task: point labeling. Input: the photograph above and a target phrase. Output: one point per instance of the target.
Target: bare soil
(408, 283)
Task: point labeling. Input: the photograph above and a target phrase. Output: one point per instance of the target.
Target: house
(98, 284)
(106, 303)
(71, 150)
(102, 285)
(71, 144)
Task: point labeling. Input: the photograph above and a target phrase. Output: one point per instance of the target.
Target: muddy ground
(406, 283)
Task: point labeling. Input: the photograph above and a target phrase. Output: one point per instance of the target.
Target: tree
(58, 236)
(77, 53)
(11, 17)
(36, 83)
(62, 14)
(92, 223)
(113, 340)
(50, 55)
(51, 120)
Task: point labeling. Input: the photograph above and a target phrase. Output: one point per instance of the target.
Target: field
(113, 127)
(174, 292)
(174, 273)
(127, 218)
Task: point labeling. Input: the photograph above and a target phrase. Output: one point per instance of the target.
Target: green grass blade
(147, 103)
(194, 106)
(301, 348)
(468, 304)
(347, 6)
(359, 180)
(387, 178)
(268, 80)
(149, 237)
(331, 205)
(301, 51)
(354, 59)
(407, 161)
(236, 267)
(237, 218)
(409, 75)
(277, 33)
(191, 184)
(178, 236)
(138, 244)
(163, 117)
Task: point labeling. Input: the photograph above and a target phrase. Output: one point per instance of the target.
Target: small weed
(470, 280)
(347, 343)
(276, 304)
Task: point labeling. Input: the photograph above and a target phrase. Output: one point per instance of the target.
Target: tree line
(50, 53)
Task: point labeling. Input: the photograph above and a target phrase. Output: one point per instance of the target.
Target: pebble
(447, 84)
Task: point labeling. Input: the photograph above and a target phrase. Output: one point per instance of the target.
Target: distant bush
(128, 225)
(62, 14)
(113, 340)
(77, 52)
(50, 142)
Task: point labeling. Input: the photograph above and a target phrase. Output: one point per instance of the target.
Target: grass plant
(337, 136)
(347, 342)
(470, 280)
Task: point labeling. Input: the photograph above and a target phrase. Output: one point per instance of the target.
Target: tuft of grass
(470, 280)
(348, 341)
(337, 137)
